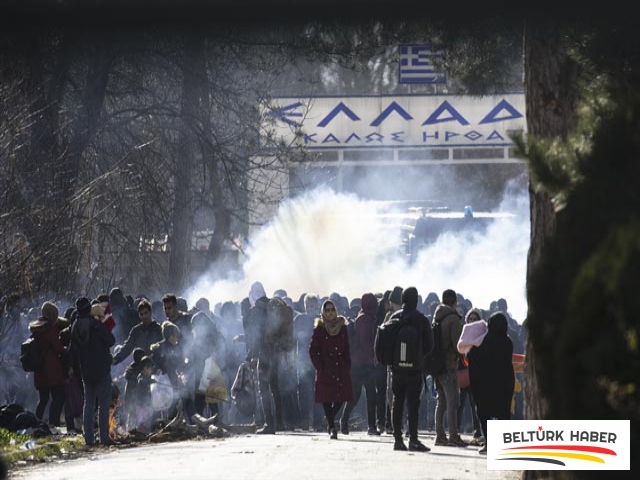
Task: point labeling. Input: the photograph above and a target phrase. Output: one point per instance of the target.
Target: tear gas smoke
(325, 241)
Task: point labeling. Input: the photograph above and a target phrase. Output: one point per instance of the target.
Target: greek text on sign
(397, 121)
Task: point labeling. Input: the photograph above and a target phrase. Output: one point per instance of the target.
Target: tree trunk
(182, 224)
(551, 98)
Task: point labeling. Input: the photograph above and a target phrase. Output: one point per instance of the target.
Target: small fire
(113, 433)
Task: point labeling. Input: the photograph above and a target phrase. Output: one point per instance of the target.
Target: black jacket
(140, 336)
(90, 344)
(170, 359)
(422, 326)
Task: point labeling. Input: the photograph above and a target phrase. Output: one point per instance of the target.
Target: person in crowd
(303, 330)
(407, 379)
(143, 407)
(124, 315)
(131, 387)
(475, 333)
(207, 341)
(329, 352)
(383, 419)
(73, 392)
(180, 318)
(143, 335)
(395, 304)
(90, 343)
(264, 359)
(168, 355)
(447, 383)
(14, 330)
(49, 381)
(491, 373)
(363, 364)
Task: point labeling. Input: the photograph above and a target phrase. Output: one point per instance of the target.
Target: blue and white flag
(416, 65)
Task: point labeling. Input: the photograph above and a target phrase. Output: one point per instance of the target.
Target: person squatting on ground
(329, 352)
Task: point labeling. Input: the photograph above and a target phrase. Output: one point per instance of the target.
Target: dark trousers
(330, 411)
(406, 385)
(268, 369)
(500, 411)
(57, 402)
(308, 406)
(200, 402)
(362, 376)
(380, 378)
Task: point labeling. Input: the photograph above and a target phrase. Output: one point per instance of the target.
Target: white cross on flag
(416, 65)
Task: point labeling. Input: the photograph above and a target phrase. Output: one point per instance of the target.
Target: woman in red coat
(50, 379)
(329, 351)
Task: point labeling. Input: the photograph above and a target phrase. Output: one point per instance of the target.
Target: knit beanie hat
(83, 306)
(396, 296)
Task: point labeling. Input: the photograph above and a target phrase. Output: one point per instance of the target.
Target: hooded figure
(363, 359)
(124, 316)
(49, 379)
(256, 292)
(491, 372)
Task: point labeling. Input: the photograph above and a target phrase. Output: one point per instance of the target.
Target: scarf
(333, 326)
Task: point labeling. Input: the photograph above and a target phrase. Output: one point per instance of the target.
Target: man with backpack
(449, 323)
(402, 343)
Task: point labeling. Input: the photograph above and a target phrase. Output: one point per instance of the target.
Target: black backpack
(31, 357)
(384, 345)
(408, 352)
(434, 362)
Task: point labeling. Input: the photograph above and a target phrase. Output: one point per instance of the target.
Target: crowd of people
(311, 361)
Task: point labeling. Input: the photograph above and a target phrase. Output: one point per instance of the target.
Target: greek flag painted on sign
(416, 65)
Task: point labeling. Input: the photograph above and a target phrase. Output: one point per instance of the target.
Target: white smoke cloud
(325, 241)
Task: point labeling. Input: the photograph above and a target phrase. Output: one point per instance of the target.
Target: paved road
(299, 456)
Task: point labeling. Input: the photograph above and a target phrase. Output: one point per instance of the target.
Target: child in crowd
(144, 408)
(131, 387)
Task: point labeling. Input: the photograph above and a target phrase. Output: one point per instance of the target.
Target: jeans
(100, 390)
(448, 399)
(362, 376)
(465, 394)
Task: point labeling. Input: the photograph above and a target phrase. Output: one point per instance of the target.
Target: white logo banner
(558, 445)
